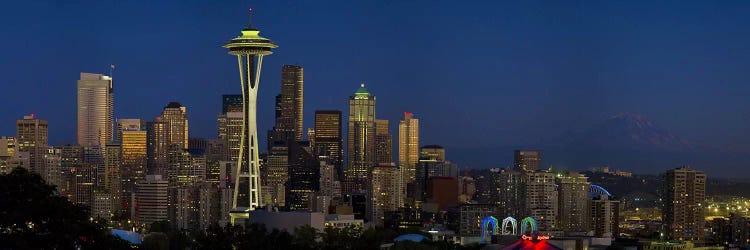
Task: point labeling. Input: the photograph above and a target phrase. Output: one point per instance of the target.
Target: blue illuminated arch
(492, 222)
(597, 191)
(514, 224)
(531, 222)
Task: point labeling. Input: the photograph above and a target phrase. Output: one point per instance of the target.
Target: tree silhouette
(33, 216)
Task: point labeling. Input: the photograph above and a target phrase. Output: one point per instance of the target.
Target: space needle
(249, 48)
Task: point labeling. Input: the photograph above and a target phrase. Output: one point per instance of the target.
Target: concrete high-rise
(527, 160)
(292, 97)
(383, 143)
(541, 198)
(304, 177)
(511, 193)
(361, 140)
(31, 137)
(175, 117)
(250, 48)
(684, 196)
(276, 175)
(328, 140)
(605, 216)
(231, 103)
(157, 148)
(95, 110)
(128, 124)
(230, 134)
(383, 192)
(133, 143)
(151, 200)
(408, 146)
(574, 211)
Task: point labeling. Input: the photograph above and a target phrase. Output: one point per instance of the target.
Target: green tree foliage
(33, 216)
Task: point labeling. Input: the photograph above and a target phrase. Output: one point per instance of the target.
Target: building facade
(95, 110)
(684, 194)
(527, 160)
(361, 140)
(292, 99)
(32, 137)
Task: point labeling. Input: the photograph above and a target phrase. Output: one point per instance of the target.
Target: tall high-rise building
(328, 141)
(511, 191)
(605, 216)
(71, 157)
(383, 143)
(175, 117)
(541, 198)
(574, 211)
(432, 152)
(304, 177)
(361, 140)
(157, 148)
(31, 137)
(113, 174)
(53, 166)
(7, 151)
(383, 192)
(231, 103)
(250, 48)
(151, 200)
(275, 174)
(134, 147)
(292, 88)
(527, 160)
(84, 183)
(128, 124)
(408, 146)
(684, 196)
(95, 110)
(230, 133)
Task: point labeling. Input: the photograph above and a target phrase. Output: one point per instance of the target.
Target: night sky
(480, 76)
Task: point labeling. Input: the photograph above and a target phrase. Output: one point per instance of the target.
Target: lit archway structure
(514, 226)
(488, 221)
(598, 191)
(530, 221)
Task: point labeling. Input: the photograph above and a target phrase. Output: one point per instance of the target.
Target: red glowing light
(538, 237)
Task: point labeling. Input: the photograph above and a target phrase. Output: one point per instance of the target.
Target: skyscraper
(128, 125)
(605, 216)
(31, 137)
(511, 191)
(408, 146)
(175, 117)
(157, 148)
(292, 88)
(134, 148)
(231, 103)
(230, 134)
(383, 143)
(151, 200)
(383, 192)
(276, 175)
(328, 140)
(684, 194)
(304, 177)
(361, 140)
(527, 160)
(574, 212)
(250, 48)
(541, 198)
(95, 110)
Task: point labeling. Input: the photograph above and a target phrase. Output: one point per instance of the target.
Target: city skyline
(510, 131)
(663, 107)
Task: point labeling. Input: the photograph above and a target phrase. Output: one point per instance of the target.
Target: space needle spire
(249, 47)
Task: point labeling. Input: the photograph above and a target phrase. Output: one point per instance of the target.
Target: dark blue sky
(478, 74)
